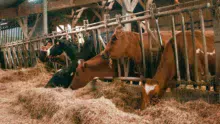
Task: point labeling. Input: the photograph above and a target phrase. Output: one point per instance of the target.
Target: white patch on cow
(197, 51)
(208, 53)
(149, 88)
(71, 74)
(48, 51)
(79, 62)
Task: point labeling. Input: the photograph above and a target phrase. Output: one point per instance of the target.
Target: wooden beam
(34, 27)
(26, 8)
(97, 14)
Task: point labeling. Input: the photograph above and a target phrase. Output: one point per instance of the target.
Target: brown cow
(167, 70)
(86, 71)
(126, 44)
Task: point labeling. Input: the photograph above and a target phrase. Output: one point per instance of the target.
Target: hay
(62, 107)
(125, 97)
(21, 101)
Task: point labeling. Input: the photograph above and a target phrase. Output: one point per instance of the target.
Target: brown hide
(126, 44)
(167, 69)
(86, 71)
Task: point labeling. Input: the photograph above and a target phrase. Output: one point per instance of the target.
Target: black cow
(64, 77)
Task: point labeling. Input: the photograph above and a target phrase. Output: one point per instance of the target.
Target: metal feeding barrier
(18, 54)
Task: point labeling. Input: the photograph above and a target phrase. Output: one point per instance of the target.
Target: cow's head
(82, 76)
(43, 51)
(44, 54)
(123, 44)
(150, 89)
(55, 49)
(116, 47)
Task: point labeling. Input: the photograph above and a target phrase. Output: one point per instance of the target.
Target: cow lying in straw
(64, 76)
(167, 69)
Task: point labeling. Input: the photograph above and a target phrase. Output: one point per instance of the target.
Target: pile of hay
(111, 103)
(24, 100)
(61, 106)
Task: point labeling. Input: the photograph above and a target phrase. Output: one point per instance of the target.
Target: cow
(126, 44)
(64, 76)
(88, 70)
(43, 54)
(167, 69)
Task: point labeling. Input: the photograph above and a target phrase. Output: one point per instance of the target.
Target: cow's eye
(114, 38)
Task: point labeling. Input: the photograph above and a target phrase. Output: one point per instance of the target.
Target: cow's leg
(145, 100)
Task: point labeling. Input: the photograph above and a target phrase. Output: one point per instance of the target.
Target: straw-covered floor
(24, 100)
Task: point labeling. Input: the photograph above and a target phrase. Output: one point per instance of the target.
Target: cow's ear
(84, 65)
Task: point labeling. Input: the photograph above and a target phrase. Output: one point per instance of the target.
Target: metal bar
(119, 68)
(21, 59)
(194, 48)
(216, 25)
(0, 34)
(95, 40)
(142, 49)
(26, 56)
(158, 32)
(127, 66)
(141, 18)
(175, 48)
(171, 82)
(11, 35)
(4, 40)
(151, 55)
(5, 59)
(45, 17)
(204, 45)
(185, 47)
(100, 38)
(177, 5)
(16, 56)
(10, 59)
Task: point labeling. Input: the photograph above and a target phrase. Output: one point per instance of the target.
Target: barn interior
(26, 26)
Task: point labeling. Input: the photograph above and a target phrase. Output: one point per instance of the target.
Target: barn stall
(116, 102)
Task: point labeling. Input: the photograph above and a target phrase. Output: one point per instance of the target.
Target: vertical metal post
(118, 19)
(185, 47)
(6, 36)
(5, 59)
(158, 32)
(45, 16)
(216, 25)
(142, 49)
(119, 68)
(194, 48)
(94, 34)
(176, 49)
(150, 55)
(204, 45)
(4, 40)
(106, 18)
(0, 34)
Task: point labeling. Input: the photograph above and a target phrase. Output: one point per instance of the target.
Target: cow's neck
(70, 51)
(166, 69)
